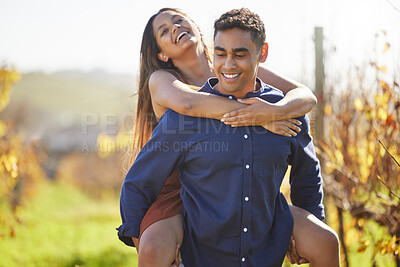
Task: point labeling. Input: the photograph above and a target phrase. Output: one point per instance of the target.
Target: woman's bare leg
(314, 240)
(159, 241)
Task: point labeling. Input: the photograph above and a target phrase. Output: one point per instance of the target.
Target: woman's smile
(182, 35)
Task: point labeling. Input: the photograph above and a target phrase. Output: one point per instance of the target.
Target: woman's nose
(175, 27)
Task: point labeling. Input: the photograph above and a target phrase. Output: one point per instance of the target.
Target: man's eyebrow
(173, 17)
(241, 49)
(235, 50)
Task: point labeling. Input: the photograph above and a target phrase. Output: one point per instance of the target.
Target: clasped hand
(260, 112)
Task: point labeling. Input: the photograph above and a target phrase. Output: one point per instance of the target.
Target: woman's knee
(150, 246)
(314, 239)
(331, 241)
(159, 241)
(155, 251)
(326, 249)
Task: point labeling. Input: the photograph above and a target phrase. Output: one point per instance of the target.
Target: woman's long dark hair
(145, 118)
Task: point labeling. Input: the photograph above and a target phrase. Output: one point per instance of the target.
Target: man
(233, 211)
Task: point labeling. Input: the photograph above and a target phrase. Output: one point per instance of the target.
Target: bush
(20, 168)
(360, 155)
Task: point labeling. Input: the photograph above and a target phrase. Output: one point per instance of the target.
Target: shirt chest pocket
(271, 153)
(212, 152)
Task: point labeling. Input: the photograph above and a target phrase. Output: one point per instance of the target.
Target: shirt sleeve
(154, 164)
(305, 176)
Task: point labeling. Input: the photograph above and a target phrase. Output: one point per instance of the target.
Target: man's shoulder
(172, 120)
(270, 93)
(305, 123)
(304, 136)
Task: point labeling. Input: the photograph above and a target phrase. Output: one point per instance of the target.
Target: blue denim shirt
(234, 213)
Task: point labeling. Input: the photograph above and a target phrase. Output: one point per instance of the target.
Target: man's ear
(264, 53)
(162, 57)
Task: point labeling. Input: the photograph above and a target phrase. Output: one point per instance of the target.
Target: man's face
(236, 62)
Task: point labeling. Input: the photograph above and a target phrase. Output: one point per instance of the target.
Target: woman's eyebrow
(162, 25)
(159, 28)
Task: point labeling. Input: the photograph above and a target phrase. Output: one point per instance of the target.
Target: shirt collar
(212, 82)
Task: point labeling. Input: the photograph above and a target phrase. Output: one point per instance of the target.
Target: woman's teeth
(180, 36)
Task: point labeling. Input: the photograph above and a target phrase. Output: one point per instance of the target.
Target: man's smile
(230, 76)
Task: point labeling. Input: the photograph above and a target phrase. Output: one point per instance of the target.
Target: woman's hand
(256, 113)
(286, 128)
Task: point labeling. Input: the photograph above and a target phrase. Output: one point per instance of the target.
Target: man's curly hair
(243, 19)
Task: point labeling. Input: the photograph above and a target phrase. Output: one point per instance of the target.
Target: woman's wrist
(275, 112)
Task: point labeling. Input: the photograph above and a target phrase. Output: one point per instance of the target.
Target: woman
(174, 56)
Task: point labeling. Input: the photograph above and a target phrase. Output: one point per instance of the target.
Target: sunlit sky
(52, 35)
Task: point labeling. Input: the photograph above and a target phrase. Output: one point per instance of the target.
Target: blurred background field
(62, 226)
(66, 114)
(59, 201)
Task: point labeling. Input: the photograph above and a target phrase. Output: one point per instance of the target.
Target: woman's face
(175, 33)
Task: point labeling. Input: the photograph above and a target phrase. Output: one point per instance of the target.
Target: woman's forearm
(297, 102)
(207, 105)
(170, 93)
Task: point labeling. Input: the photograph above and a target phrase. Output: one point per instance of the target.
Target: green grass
(63, 227)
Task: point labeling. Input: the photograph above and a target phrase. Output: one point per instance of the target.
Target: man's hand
(136, 242)
(292, 254)
(177, 261)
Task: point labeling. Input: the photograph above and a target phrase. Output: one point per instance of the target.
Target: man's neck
(239, 95)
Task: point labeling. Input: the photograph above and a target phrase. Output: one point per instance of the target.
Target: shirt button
(246, 199)
(247, 166)
(243, 259)
(230, 97)
(245, 230)
(246, 136)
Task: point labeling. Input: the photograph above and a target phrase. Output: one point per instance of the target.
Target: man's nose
(229, 62)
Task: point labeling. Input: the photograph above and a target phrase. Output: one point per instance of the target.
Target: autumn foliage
(20, 168)
(361, 154)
